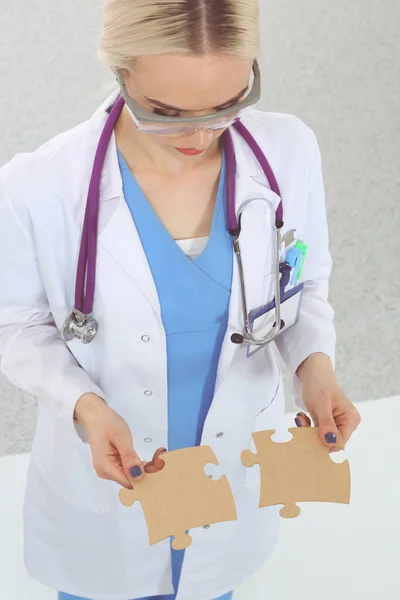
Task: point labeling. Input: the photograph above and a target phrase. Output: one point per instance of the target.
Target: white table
(331, 552)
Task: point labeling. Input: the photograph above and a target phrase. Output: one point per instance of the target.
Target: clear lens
(184, 129)
(174, 130)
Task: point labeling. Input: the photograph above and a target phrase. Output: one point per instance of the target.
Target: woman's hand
(329, 407)
(110, 440)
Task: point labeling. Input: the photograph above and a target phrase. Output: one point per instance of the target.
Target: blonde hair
(133, 29)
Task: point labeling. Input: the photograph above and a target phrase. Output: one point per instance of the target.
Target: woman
(162, 371)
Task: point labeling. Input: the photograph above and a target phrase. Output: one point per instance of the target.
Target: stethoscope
(81, 324)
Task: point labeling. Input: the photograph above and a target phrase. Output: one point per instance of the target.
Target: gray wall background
(333, 64)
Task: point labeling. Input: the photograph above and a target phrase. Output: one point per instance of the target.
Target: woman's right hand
(110, 440)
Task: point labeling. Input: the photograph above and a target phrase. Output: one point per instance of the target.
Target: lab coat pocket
(65, 462)
(269, 288)
(262, 293)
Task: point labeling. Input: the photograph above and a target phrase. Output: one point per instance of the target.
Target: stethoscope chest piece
(80, 326)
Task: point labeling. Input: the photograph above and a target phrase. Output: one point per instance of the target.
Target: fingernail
(300, 414)
(298, 422)
(135, 472)
(331, 438)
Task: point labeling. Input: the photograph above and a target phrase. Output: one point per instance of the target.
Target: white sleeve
(314, 331)
(34, 357)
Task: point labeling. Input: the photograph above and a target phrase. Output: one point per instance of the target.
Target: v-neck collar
(220, 199)
(219, 212)
(210, 263)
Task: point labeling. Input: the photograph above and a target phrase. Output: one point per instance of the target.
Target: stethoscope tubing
(86, 269)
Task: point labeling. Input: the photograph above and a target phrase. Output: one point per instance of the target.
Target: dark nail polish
(135, 472)
(298, 422)
(331, 438)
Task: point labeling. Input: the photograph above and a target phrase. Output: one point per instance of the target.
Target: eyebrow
(169, 107)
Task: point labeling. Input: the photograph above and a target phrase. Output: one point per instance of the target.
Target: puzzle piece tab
(181, 496)
(297, 471)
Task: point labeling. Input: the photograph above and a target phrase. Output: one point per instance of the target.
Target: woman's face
(180, 85)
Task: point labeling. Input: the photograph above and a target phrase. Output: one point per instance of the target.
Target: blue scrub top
(194, 298)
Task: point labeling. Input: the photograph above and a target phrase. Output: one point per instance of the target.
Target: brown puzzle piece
(299, 470)
(181, 496)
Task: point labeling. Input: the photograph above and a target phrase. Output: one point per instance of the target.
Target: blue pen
(284, 269)
(294, 258)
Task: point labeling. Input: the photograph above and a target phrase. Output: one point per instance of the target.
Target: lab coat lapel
(257, 203)
(117, 233)
(120, 238)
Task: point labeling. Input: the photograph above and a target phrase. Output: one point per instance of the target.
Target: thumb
(130, 461)
(326, 423)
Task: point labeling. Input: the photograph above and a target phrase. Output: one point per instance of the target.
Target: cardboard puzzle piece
(181, 496)
(299, 470)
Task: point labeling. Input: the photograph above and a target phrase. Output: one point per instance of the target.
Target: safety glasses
(149, 122)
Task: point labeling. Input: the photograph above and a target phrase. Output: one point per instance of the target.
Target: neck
(141, 152)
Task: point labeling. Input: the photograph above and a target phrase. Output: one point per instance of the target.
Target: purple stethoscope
(81, 324)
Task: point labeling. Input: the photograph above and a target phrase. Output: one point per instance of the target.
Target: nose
(200, 139)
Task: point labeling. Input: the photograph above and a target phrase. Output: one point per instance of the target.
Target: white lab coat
(78, 538)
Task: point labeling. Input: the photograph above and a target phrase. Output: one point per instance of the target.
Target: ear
(124, 72)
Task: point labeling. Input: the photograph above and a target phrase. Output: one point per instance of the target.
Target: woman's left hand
(329, 407)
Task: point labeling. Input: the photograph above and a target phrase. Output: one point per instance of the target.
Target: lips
(190, 151)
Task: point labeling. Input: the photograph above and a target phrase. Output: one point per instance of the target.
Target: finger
(335, 449)
(157, 464)
(113, 472)
(302, 420)
(131, 463)
(107, 466)
(326, 423)
(351, 421)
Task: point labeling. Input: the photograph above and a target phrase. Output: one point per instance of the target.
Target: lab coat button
(148, 393)
(145, 338)
(220, 434)
(148, 440)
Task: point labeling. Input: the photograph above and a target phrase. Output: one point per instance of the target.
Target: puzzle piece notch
(299, 470)
(181, 496)
(213, 471)
(249, 458)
